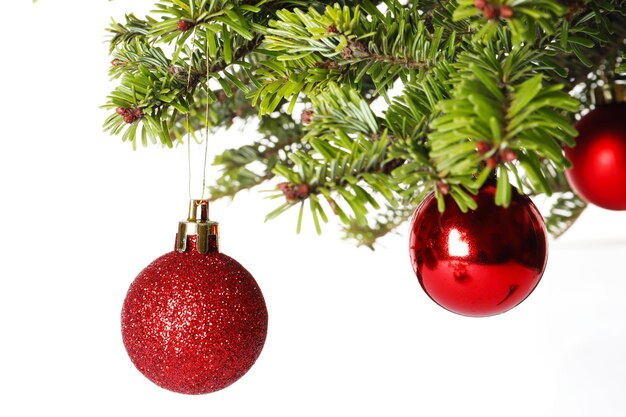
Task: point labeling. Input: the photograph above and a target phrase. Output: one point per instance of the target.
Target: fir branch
(281, 137)
(386, 222)
(564, 206)
(357, 52)
(222, 113)
(583, 45)
(526, 20)
(125, 33)
(483, 92)
(354, 163)
(500, 114)
(349, 161)
(314, 49)
(564, 212)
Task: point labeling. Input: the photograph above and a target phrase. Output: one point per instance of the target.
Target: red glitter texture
(598, 172)
(194, 323)
(483, 262)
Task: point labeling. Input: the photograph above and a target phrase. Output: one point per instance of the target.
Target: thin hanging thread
(188, 157)
(188, 123)
(206, 121)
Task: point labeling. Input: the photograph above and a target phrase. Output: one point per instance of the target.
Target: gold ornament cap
(613, 92)
(198, 224)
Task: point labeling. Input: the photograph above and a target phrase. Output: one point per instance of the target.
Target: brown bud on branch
(307, 116)
(129, 115)
(184, 25)
(493, 11)
(294, 192)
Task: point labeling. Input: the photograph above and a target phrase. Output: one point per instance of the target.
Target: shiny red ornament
(598, 172)
(194, 322)
(483, 262)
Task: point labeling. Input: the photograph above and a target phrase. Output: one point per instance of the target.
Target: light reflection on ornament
(457, 246)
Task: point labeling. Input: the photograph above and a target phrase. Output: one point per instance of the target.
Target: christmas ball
(194, 323)
(483, 262)
(598, 172)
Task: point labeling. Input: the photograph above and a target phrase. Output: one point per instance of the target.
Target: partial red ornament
(483, 262)
(598, 172)
(194, 321)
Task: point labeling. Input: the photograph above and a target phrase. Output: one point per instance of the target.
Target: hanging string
(187, 121)
(188, 157)
(206, 120)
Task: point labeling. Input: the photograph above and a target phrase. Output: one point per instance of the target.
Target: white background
(351, 332)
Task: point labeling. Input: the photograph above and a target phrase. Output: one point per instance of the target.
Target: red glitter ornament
(483, 262)
(194, 321)
(598, 172)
